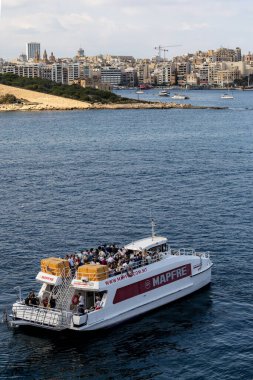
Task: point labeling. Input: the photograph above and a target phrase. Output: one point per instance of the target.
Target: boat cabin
(154, 245)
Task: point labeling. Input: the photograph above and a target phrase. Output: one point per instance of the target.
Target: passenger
(131, 263)
(77, 262)
(52, 302)
(111, 272)
(148, 259)
(101, 253)
(138, 259)
(114, 248)
(110, 259)
(27, 301)
(124, 266)
(103, 261)
(85, 259)
(71, 262)
(81, 304)
(109, 249)
(31, 294)
(97, 305)
(34, 300)
(45, 302)
(30, 299)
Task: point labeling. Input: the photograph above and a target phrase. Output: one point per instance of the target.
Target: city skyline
(124, 28)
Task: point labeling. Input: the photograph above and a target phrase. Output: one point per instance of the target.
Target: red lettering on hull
(152, 283)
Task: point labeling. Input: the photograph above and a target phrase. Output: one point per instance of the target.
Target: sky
(125, 27)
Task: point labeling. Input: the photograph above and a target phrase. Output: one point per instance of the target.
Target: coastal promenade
(38, 101)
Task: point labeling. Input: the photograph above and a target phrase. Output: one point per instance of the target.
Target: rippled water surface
(76, 179)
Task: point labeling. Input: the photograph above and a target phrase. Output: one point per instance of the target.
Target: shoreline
(37, 101)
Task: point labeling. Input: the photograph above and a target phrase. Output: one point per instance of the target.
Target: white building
(74, 72)
(111, 75)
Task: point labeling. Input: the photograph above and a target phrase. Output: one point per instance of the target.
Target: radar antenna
(153, 228)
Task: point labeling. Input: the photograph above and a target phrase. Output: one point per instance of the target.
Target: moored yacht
(96, 296)
(163, 93)
(227, 96)
(180, 96)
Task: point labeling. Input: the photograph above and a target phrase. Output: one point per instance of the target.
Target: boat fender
(130, 272)
(75, 299)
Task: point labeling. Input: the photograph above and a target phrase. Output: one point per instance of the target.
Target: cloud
(10, 4)
(131, 27)
(191, 27)
(74, 20)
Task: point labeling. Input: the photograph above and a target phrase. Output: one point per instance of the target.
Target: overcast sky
(125, 27)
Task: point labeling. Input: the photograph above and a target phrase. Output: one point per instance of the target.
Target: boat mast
(153, 228)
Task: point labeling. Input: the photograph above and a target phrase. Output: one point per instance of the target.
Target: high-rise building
(80, 52)
(32, 50)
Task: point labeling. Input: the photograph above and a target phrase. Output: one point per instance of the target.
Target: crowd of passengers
(118, 260)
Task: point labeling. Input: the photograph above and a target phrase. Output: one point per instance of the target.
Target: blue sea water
(77, 179)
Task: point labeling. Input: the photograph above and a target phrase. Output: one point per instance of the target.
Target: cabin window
(92, 297)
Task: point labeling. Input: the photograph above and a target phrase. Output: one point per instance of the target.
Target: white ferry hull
(197, 282)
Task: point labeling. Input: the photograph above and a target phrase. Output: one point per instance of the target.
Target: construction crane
(163, 48)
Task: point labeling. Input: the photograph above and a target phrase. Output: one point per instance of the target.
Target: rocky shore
(37, 101)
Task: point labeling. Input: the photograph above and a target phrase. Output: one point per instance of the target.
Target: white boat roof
(146, 243)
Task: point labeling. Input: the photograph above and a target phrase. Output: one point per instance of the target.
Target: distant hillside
(74, 91)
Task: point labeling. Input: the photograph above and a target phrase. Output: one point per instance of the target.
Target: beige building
(192, 79)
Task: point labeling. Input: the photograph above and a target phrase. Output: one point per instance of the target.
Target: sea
(78, 179)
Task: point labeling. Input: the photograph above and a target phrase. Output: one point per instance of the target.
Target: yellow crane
(163, 48)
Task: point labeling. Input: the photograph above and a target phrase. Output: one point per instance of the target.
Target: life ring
(130, 272)
(75, 299)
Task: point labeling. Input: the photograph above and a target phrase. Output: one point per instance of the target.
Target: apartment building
(143, 73)
(166, 74)
(182, 68)
(224, 54)
(192, 79)
(203, 74)
(74, 72)
(111, 75)
(129, 78)
(227, 77)
(27, 70)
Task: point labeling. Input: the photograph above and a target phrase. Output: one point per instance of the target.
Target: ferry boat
(94, 298)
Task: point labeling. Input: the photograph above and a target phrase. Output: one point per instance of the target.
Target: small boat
(139, 92)
(180, 96)
(111, 285)
(227, 96)
(164, 93)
